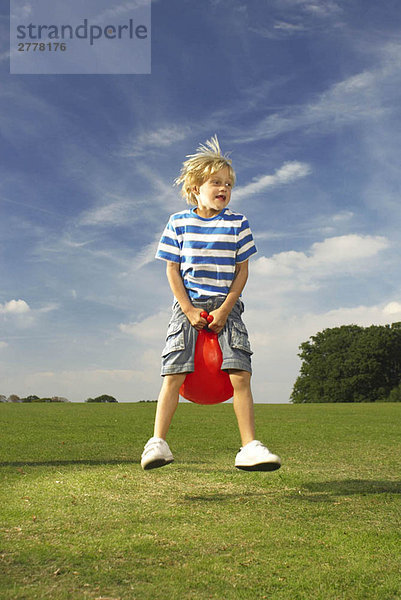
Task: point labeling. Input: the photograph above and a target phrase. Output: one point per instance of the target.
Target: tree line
(350, 364)
(33, 398)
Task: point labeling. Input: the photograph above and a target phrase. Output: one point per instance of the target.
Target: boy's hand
(193, 316)
(219, 320)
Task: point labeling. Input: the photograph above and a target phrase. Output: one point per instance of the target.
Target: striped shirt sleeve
(169, 246)
(245, 244)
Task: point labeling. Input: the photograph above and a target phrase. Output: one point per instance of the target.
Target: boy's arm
(220, 315)
(179, 291)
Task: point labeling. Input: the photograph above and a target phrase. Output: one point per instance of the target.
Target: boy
(207, 250)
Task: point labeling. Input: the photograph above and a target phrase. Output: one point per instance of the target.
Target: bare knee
(240, 379)
(174, 381)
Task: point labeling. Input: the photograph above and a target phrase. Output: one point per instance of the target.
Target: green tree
(395, 394)
(103, 398)
(349, 364)
(31, 398)
(13, 398)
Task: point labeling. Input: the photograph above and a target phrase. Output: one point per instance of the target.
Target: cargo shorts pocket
(175, 339)
(239, 337)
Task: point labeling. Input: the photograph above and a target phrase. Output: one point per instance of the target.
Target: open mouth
(220, 197)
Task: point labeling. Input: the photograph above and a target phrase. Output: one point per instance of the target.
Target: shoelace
(255, 443)
(259, 444)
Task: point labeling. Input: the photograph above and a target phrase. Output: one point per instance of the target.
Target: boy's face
(214, 194)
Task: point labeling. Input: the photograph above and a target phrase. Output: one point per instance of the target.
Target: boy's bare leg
(243, 405)
(167, 403)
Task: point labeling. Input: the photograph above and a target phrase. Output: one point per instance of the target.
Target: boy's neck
(207, 213)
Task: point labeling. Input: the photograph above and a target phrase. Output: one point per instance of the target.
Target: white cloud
(123, 210)
(147, 254)
(165, 136)
(295, 17)
(337, 252)
(347, 248)
(322, 8)
(121, 9)
(269, 235)
(317, 225)
(355, 99)
(344, 215)
(126, 385)
(287, 173)
(14, 307)
(48, 308)
(3, 345)
(154, 139)
(5, 56)
(150, 330)
(392, 308)
(289, 27)
(22, 12)
(118, 211)
(18, 313)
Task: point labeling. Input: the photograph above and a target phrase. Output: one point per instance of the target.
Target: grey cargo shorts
(179, 350)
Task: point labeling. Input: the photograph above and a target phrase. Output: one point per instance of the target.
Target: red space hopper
(208, 384)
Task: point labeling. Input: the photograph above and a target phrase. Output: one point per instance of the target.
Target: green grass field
(81, 520)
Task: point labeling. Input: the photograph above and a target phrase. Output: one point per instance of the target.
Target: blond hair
(207, 160)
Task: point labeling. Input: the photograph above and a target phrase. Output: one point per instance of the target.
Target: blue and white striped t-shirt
(207, 249)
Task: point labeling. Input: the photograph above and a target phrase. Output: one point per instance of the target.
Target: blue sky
(305, 94)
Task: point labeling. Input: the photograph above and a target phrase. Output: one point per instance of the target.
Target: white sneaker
(256, 457)
(156, 454)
